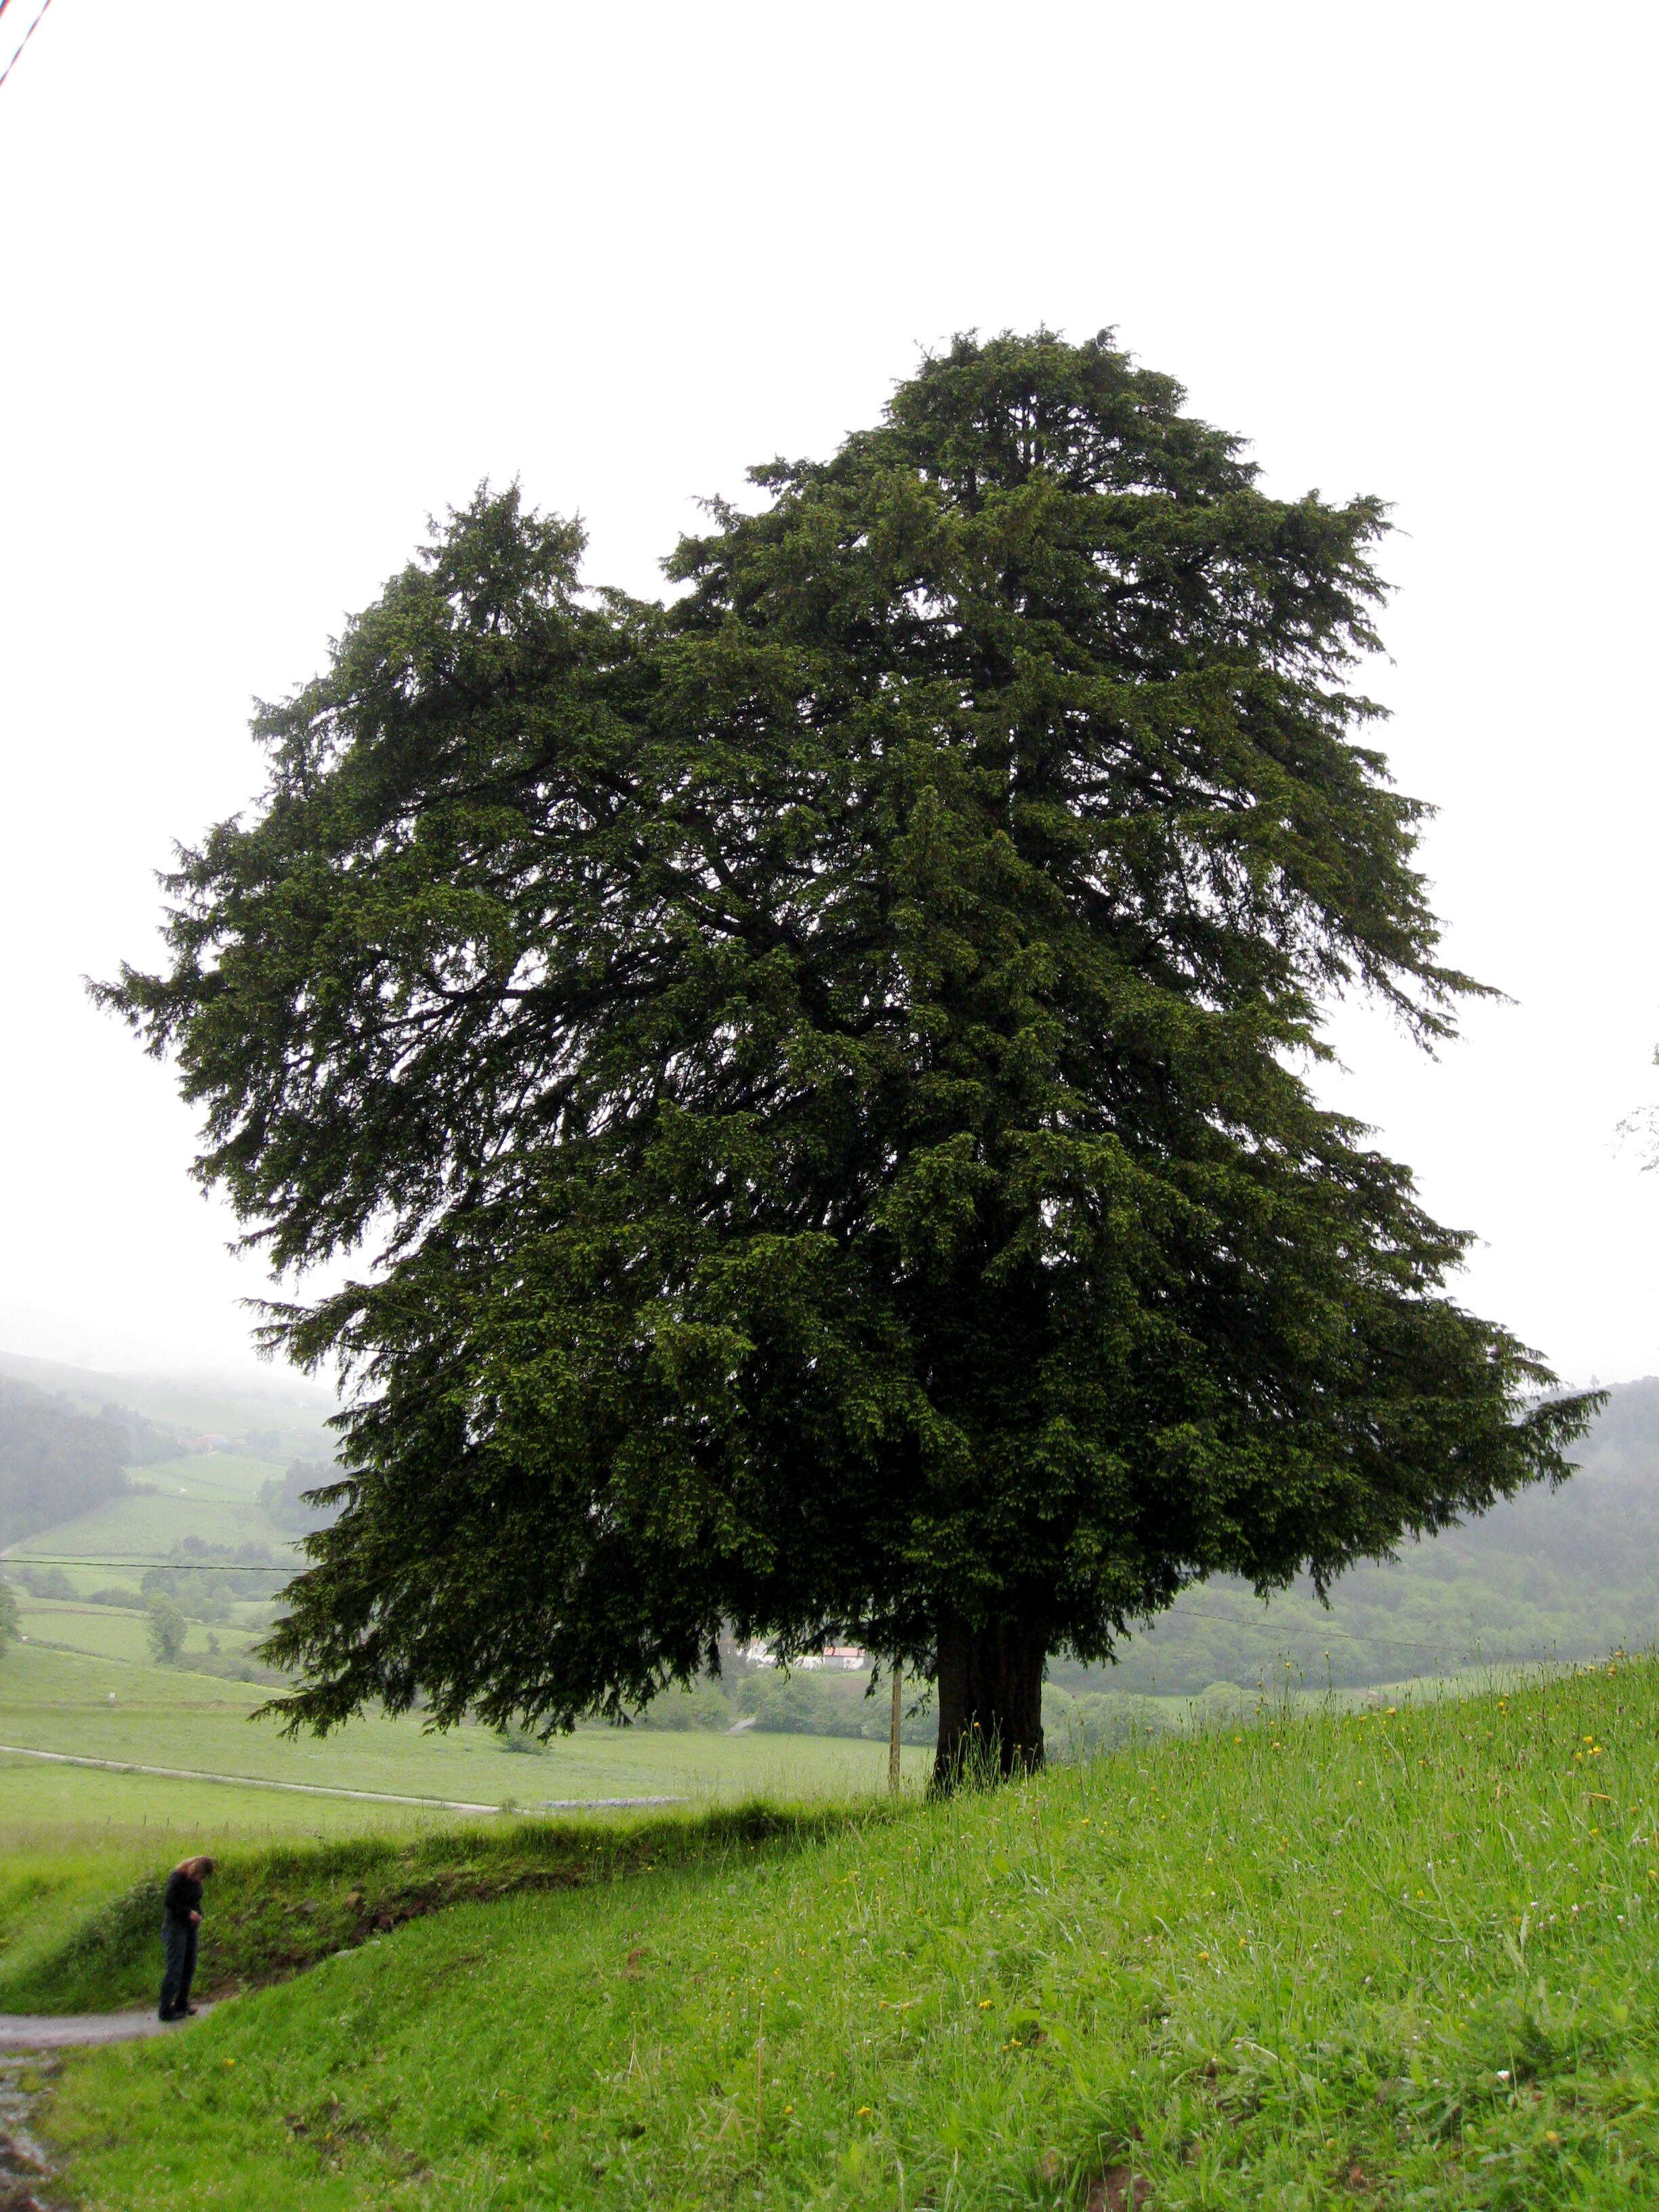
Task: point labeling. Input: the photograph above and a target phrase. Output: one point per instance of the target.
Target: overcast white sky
(278, 282)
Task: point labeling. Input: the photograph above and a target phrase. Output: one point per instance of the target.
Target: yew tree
(815, 1074)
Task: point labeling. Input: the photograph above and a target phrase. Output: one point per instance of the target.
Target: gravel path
(63, 2031)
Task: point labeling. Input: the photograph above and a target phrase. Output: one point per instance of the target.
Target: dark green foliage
(55, 1462)
(44, 1582)
(1548, 1574)
(286, 1501)
(823, 1059)
(524, 1743)
(8, 1613)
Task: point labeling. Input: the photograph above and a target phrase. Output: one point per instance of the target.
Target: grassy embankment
(1401, 1959)
(74, 1840)
(280, 1908)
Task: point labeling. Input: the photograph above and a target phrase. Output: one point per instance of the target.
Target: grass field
(100, 1708)
(1401, 1959)
(208, 1495)
(108, 1631)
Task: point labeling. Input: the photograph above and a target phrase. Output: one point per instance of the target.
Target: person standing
(181, 1923)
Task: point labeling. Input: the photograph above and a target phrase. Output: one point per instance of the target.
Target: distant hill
(55, 1461)
(285, 1420)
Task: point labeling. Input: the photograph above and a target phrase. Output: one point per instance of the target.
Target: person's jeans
(178, 1939)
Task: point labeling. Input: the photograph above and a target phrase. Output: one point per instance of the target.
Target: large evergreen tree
(821, 1067)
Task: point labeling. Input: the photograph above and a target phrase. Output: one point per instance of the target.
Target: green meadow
(212, 1496)
(138, 1715)
(109, 1632)
(1405, 1957)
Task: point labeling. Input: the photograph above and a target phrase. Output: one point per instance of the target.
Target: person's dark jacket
(182, 1897)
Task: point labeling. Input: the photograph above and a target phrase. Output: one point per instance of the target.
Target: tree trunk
(989, 1686)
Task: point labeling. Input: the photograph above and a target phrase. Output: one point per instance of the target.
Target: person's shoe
(169, 2016)
(189, 2013)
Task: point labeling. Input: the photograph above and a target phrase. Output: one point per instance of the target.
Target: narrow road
(67, 2030)
(325, 1789)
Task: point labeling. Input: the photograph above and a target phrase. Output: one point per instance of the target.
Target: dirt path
(325, 1788)
(71, 2031)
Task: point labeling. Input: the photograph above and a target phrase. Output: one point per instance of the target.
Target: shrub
(520, 1740)
(1095, 1721)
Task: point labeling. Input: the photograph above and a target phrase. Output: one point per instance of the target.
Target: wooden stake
(894, 1772)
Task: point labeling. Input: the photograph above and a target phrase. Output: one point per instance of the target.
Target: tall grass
(1399, 1958)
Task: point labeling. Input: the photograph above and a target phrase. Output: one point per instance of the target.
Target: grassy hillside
(209, 1497)
(1399, 1959)
(284, 1909)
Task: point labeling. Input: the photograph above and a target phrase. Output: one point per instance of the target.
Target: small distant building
(837, 1658)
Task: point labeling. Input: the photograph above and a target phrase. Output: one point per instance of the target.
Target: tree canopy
(820, 1069)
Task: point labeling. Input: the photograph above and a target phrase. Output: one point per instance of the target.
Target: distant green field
(210, 1497)
(210, 1475)
(47, 1811)
(107, 1631)
(112, 1709)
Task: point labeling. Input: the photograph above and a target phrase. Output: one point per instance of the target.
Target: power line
(174, 1566)
(24, 40)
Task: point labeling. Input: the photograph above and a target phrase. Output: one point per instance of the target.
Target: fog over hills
(290, 1411)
